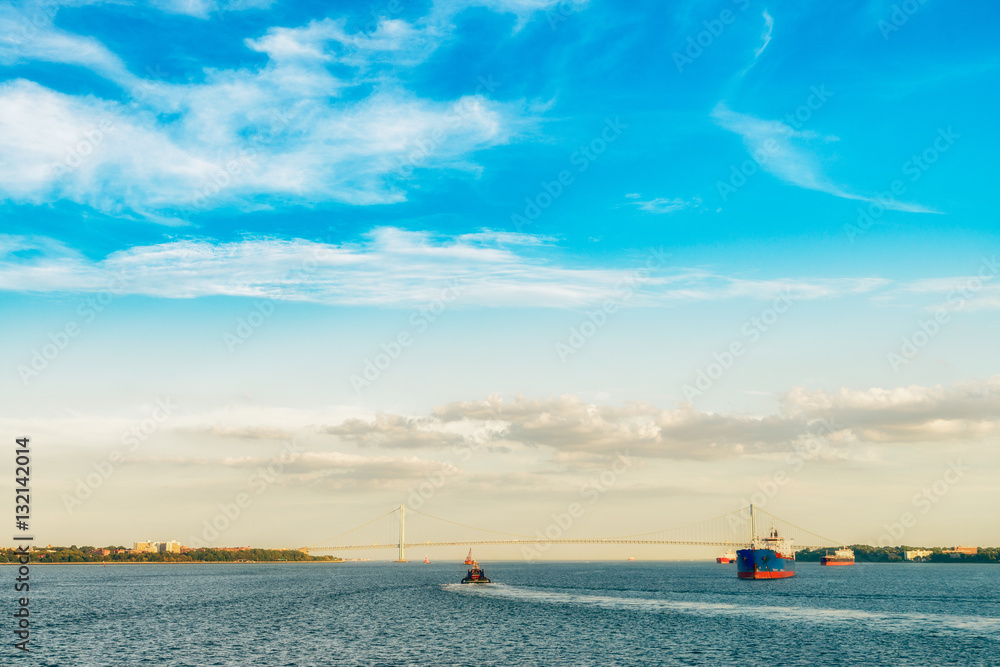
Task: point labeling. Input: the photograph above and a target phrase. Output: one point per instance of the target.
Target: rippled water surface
(537, 614)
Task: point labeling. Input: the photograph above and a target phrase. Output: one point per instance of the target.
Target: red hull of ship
(843, 562)
(765, 575)
(723, 560)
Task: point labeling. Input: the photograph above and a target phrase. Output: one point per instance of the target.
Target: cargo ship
(728, 557)
(769, 558)
(840, 557)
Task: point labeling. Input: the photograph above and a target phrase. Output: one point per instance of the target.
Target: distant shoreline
(190, 562)
(517, 560)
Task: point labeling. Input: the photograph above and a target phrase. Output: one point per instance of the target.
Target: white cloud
(487, 236)
(979, 291)
(966, 412)
(396, 432)
(284, 129)
(557, 11)
(361, 152)
(783, 152)
(662, 205)
(28, 35)
(765, 36)
(390, 267)
(202, 9)
(404, 43)
(87, 150)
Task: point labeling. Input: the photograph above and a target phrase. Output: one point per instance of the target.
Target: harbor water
(603, 613)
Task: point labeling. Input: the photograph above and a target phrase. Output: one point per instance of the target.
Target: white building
(145, 547)
(171, 547)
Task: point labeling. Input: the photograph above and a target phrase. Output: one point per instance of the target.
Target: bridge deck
(596, 540)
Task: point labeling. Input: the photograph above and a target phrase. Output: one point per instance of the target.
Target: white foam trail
(988, 627)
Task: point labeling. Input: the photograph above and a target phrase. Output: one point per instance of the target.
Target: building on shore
(917, 554)
(959, 551)
(171, 547)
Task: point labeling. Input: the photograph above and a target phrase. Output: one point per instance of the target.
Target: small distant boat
(631, 558)
(476, 574)
(426, 560)
(728, 557)
(840, 557)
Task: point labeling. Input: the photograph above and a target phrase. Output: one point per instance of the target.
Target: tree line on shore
(864, 553)
(89, 554)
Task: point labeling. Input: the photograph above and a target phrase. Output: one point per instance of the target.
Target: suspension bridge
(404, 527)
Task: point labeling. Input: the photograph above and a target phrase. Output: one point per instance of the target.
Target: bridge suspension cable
(784, 527)
(415, 528)
(463, 525)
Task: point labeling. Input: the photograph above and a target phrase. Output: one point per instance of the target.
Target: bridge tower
(402, 534)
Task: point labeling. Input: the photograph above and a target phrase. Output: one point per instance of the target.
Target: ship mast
(753, 525)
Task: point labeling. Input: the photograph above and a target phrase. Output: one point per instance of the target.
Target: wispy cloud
(662, 205)
(525, 10)
(766, 35)
(326, 118)
(390, 267)
(30, 36)
(204, 8)
(979, 291)
(787, 153)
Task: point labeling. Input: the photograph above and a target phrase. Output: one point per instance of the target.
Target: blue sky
(240, 205)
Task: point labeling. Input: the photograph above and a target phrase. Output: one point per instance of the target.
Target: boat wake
(897, 622)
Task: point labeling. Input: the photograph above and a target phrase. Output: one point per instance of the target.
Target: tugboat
(426, 561)
(476, 574)
(728, 557)
(768, 558)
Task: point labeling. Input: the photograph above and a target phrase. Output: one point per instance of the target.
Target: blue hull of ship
(763, 564)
